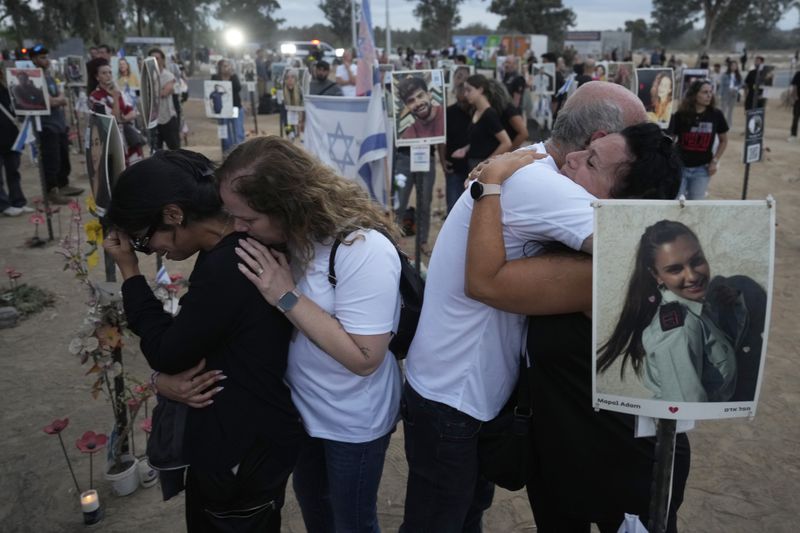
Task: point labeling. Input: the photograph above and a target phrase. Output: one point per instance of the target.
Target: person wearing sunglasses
(241, 445)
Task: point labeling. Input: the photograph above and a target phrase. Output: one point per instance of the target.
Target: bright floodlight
(288, 49)
(234, 37)
(339, 52)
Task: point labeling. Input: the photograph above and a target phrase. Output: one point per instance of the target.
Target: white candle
(89, 501)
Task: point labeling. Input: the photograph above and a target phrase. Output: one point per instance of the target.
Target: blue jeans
(445, 492)
(235, 127)
(403, 166)
(694, 182)
(336, 484)
(454, 188)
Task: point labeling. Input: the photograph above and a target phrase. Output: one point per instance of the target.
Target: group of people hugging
(283, 366)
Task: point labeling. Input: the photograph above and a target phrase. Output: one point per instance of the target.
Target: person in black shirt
(514, 82)
(754, 86)
(795, 95)
(487, 137)
(242, 445)
(458, 119)
(695, 125)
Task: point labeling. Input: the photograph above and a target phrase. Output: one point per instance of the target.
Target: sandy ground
(744, 478)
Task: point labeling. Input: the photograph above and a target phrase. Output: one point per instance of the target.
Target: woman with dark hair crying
(241, 446)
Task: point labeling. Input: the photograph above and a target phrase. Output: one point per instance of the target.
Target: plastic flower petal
(56, 426)
(109, 336)
(147, 424)
(75, 206)
(91, 442)
(37, 219)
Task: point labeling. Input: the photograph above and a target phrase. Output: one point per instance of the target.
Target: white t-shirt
(166, 109)
(341, 72)
(465, 354)
(335, 403)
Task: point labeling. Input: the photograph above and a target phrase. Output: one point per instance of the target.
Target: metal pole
(353, 23)
(662, 475)
(45, 201)
(417, 177)
(255, 110)
(388, 32)
(746, 178)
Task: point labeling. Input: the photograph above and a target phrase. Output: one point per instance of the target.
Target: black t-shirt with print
(695, 133)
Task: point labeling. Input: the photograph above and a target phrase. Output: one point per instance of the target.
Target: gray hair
(574, 127)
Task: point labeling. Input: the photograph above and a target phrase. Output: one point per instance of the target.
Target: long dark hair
(179, 177)
(687, 107)
(642, 299)
(655, 172)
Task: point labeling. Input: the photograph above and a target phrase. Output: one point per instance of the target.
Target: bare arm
(505, 143)
(360, 354)
(166, 90)
(549, 284)
(518, 123)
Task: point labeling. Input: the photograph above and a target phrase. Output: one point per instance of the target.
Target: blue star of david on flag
(345, 159)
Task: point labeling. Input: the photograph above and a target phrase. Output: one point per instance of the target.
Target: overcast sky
(590, 14)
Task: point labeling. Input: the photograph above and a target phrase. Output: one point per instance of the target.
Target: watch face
(476, 190)
(287, 301)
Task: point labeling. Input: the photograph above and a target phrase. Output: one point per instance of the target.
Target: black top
(796, 82)
(695, 133)
(515, 84)
(458, 124)
(482, 140)
(237, 88)
(510, 112)
(8, 127)
(225, 319)
(586, 464)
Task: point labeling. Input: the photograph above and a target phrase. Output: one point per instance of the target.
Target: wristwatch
(478, 190)
(288, 301)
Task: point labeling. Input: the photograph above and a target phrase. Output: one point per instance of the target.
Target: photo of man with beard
(426, 110)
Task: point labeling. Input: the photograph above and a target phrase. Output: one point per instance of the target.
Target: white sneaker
(12, 211)
(792, 139)
(26, 209)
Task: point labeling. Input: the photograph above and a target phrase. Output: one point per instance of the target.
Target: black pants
(249, 500)
(54, 147)
(14, 197)
(170, 134)
(795, 116)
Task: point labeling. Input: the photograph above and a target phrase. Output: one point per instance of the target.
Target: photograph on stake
(75, 71)
(105, 158)
(295, 86)
(28, 92)
(419, 107)
(686, 337)
(689, 76)
(151, 89)
(656, 91)
(623, 74)
(126, 74)
(544, 78)
(219, 98)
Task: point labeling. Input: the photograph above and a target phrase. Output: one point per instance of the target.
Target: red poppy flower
(56, 426)
(75, 206)
(37, 219)
(147, 425)
(133, 404)
(91, 442)
(12, 273)
(176, 277)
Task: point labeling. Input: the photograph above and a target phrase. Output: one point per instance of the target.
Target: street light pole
(353, 23)
(388, 32)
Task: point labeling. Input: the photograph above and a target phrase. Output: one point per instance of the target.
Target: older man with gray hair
(464, 361)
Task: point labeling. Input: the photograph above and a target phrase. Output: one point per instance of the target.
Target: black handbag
(133, 137)
(504, 443)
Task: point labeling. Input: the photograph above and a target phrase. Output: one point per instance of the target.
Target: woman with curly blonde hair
(344, 380)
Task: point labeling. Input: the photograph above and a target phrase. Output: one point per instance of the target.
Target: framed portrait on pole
(419, 107)
(29, 95)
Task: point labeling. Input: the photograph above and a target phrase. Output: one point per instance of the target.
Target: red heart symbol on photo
(673, 409)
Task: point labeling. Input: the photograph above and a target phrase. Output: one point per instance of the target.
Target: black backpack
(412, 289)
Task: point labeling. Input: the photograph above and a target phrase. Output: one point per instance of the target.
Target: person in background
(794, 95)
(104, 52)
(54, 140)
(169, 128)
(695, 126)
(754, 86)
(321, 84)
(13, 203)
(510, 115)
(225, 73)
(513, 80)
(716, 77)
(346, 74)
(459, 117)
(729, 84)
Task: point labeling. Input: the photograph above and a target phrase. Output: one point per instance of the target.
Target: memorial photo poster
(623, 74)
(544, 78)
(656, 90)
(151, 92)
(75, 71)
(689, 76)
(28, 91)
(419, 107)
(385, 72)
(126, 73)
(295, 85)
(682, 297)
(105, 158)
(247, 70)
(218, 98)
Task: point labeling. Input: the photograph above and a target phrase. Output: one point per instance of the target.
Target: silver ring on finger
(260, 271)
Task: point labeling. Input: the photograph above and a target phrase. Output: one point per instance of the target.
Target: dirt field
(744, 477)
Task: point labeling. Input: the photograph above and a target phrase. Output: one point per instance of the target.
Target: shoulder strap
(7, 113)
(331, 261)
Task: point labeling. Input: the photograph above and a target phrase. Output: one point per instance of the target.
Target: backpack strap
(331, 261)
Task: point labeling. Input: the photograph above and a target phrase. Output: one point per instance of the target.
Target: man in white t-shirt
(168, 124)
(346, 74)
(464, 361)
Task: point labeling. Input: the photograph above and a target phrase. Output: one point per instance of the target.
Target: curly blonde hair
(313, 202)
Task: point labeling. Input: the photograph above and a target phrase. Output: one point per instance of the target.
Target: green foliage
(438, 18)
(338, 13)
(641, 35)
(548, 17)
(27, 299)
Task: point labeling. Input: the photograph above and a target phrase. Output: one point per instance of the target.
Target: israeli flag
(349, 135)
(25, 137)
(162, 276)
